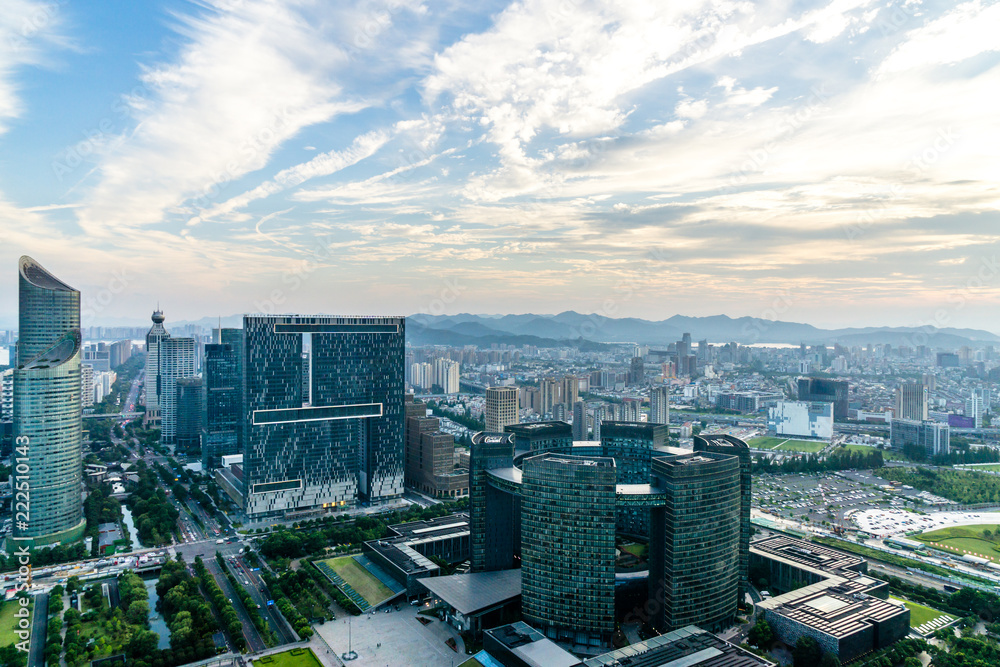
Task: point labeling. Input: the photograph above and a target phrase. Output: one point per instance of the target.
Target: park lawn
(297, 657)
(966, 538)
(360, 579)
(887, 454)
(765, 442)
(920, 614)
(8, 621)
(810, 446)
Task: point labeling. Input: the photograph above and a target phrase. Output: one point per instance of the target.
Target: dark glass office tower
(47, 408)
(727, 444)
(223, 379)
(568, 547)
(694, 541)
(348, 443)
(190, 408)
(494, 516)
(824, 390)
(631, 445)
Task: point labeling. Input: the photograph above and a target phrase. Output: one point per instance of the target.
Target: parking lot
(833, 498)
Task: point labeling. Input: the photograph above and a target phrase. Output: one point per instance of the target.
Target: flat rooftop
(686, 647)
(439, 528)
(531, 646)
(478, 591)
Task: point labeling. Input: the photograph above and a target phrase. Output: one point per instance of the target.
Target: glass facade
(568, 547)
(176, 360)
(494, 515)
(314, 458)
(190, 407)
(47, 408)
(631, 445)
(727, 444)
(694, 541)
(223, 379)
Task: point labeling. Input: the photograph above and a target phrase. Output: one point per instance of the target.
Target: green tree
(761, 634)
(807, 652)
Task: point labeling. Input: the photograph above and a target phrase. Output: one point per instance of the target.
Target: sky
(832, 162)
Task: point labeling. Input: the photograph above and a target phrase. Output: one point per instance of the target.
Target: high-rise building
(550, 394)
(568, 546)
(553, 509)
(430, 455)
(911, 401)
(570, 390)
(732, 446)
(636, 371)
(223, 380)
(46, 408)
(190, 412)
(86, 386)
(600, 416)
(631, 444)
(823, 390)
(920, 439)
(176, 359)
(156, 334)
(501, 408)
(694, 545)
(119, 353)
(530, 398)
(659, 404)
(348, 444)
(580, 430)
(974, 407)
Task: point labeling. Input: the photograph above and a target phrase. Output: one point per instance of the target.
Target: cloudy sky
(829, 161)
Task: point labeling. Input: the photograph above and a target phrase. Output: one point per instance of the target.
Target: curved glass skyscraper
(47, 407)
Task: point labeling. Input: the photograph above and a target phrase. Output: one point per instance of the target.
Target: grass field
(765, 442)
(966, 538)
(920, 614)
(786, 444)
(810, 446)
(297, 657)
(8, 621)
(367, 586)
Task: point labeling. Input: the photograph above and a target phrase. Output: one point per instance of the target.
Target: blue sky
(833, 162)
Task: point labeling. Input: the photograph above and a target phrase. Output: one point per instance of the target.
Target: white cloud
(968, 30)
(251, 76)
(322, 165)
(27, 27)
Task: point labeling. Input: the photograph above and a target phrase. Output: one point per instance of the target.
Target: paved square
(405, 641)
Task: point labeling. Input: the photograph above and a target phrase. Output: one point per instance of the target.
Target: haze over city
(701, 158)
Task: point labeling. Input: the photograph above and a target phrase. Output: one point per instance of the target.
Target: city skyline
(835, 160)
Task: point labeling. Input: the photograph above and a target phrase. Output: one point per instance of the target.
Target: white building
(804, 419)
(86, 385)
(7, 396)
(974, 407)
(659, 405)
(501, 408)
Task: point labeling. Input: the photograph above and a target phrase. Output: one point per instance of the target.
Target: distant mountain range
(597, 331)
(571, 326)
